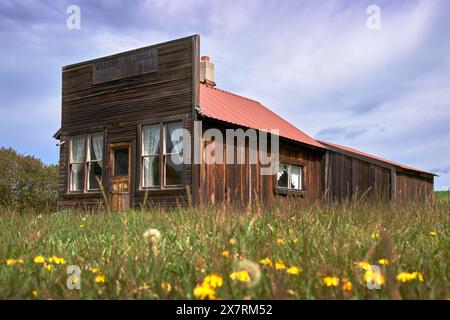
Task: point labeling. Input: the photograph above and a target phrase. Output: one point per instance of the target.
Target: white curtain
(77, 155)
(97, 148)
(295, 177)
(150, 147)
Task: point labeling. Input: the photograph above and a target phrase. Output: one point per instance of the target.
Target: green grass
(320, 240)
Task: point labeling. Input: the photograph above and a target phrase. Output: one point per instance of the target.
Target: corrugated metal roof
(232, 108)
(348, 149)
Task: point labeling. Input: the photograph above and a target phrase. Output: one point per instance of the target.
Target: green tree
(26, 183)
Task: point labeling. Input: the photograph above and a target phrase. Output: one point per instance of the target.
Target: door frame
(111, 163)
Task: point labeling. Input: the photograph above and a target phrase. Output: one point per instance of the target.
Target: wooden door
(119, 176)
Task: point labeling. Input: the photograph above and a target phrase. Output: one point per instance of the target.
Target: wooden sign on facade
(126, 66)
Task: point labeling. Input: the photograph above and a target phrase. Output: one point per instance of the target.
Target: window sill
(289, 192)
(83, 194)
(162, 189)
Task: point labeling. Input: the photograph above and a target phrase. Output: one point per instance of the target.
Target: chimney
(207, 71)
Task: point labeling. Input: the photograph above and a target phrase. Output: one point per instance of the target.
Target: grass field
(280, 252)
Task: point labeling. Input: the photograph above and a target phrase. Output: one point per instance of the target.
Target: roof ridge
(231, 93)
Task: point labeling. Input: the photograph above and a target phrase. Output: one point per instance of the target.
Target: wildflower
(253, 271)
(347, 285)
(295, 241)
(293, 270)
(213, 280)
(407, 277)
(166, 286)
(232, 242)
(330, 281)
(280, 241)
(81, 226)
(56, 260)
(242, 276)
(94, 270)
(363, 265)
(375, 236)
(279, 265)
(433, 233)
(11, 262)
(152, 236)
(374, 277)
(100, 278)
(49, 268)
(266, 262)
(75, 280)
(34, 294)
(39, 259)
(225, 253)
(383, 261)
(204, 292)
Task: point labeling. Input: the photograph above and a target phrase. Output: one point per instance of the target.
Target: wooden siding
(413, 187)
(351, 178)
(241, 183)
(118, 108)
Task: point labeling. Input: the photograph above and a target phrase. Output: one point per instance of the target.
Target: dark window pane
(174, 137)
(283, 175)
(95, 175)
(151, 171)
(76, 177)
(121, 162)
(174, 172)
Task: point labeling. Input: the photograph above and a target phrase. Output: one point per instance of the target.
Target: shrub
(26, 183)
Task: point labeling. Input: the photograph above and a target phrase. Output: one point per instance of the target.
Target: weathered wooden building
(120, 133)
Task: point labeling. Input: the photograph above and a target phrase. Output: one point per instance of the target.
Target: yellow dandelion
(375, 235)
(242, 276)
(280, 241)
(11, 262)
(225, 253)
(213, 280)
(295, 241)
(293, 270)
(19, 261)
(266, 262)
(279, 265)
(34, 293)
(39, 259)
(81, 226)
(94, 270)
(166, 286)
(347, 285)
(374, 277)
(330, 281)
(204, 292)
(49, 268)
(433, 233)
(232, 242)
(363, 265)
(100, 278)
(407, 277)
(383, 261)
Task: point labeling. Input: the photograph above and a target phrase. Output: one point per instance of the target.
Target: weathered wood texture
(119, 107)
(351, 178)
(412, 187)
(241, 183)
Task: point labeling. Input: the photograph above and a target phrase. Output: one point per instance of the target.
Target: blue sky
(315, 63)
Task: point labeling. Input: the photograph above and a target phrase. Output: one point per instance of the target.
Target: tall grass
(321, 240)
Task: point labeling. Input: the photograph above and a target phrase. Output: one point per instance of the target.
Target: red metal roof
(232, 108)
(372, 156)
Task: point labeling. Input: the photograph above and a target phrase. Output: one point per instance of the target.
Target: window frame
(162, 155)
(301, 177)
(86, 162)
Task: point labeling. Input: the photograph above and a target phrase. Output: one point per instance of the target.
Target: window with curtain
(86, 156)
(76, 165)
(150, 156)
(95, 161)
(290, 176)
(173, 154)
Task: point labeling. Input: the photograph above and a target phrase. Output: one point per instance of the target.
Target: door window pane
(121, 162)
(174, 172)
(283, 175)
(151, 171)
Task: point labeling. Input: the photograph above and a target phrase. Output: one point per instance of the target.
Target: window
(165, 157)
(86, 155)
(95, 161)
(290, 176)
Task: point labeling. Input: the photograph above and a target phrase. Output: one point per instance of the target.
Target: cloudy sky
(385, 91)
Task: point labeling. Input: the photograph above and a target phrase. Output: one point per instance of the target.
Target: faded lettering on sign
(126, 66)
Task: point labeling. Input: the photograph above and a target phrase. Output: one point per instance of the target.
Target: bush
(26, 183)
